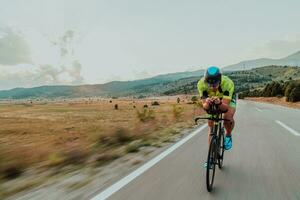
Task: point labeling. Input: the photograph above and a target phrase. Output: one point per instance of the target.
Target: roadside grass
(54, 135)
(19, 187)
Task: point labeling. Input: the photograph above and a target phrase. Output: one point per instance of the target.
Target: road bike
(215, 154)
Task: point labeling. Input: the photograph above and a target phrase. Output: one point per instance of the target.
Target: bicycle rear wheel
(211, 167)
(221, 148)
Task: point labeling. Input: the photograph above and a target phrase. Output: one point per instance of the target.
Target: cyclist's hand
(217, 101)
(209, 101)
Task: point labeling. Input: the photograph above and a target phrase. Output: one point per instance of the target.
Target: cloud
(68, 36)
(41, 75)
(75, 72)
(13, 48)
(13, 74)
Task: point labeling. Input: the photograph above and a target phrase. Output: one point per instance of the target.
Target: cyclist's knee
(229, 114)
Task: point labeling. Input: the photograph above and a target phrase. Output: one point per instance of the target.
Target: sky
(71, 42)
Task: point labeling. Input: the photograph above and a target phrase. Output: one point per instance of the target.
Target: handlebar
(211, 118)
(214, 110)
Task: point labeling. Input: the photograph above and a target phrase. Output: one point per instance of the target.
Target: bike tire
(210, 172)
(221, 149)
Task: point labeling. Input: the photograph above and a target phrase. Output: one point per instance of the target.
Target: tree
(276, 89)
(295, 94)
(288, 90)
(267, 90)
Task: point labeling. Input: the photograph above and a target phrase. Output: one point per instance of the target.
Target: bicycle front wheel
(211, 167)
(221, 148)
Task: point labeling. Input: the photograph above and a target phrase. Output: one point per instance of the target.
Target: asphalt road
(264, 162)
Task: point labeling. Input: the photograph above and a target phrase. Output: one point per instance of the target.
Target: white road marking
(127, 179)
(288, 128)
(258, 109)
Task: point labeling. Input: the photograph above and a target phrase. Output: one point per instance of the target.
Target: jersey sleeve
(228, 89)
(201, 89)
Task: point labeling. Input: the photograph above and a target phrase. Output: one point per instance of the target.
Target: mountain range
(245, 74)
(291, 60)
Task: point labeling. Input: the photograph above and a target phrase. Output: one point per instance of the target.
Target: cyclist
(218, 88)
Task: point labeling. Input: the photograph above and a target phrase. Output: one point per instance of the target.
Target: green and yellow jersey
(225, 90)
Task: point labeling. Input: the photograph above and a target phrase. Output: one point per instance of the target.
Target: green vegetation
(289, 89)
(145, 115)
(155, 103)
(244, 80)
(177, 112)
(170, 84)
(194, 99)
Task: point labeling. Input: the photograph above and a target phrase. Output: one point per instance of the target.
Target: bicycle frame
(216, 148)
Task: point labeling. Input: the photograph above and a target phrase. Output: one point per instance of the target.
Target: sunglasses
(213, 85)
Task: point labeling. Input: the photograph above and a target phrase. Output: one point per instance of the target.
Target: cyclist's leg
(229, 125)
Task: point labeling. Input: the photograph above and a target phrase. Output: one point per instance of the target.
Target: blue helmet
(212, 76)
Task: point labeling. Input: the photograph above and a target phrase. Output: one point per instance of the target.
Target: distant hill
(244, 80)
(168, 84)
(114, 88)
(291, 60)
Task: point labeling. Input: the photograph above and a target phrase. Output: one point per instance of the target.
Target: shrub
(155, 103)
(106, 157)
(178, 100)
(288, 89)
(194, 99)
(133, 147)
(75, 157)
(11, 165)
(122, 135)
(115, 137)
(295, 94)
(116, 106)
(105, 139)
(199, 104)
(145, 115)
(241, 95)
(267, 90)
(55, 159)
(12, 171)
(145, 106)
(177, 111)
(276, 89)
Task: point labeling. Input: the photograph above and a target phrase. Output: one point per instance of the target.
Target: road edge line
(287, 128)
(130, 177)
(258, 109)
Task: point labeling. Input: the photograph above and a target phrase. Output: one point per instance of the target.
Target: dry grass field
(43, 135)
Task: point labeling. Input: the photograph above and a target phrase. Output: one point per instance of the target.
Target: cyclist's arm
(203, 95)
(224, 104)
(229, 89)
(206, 103)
